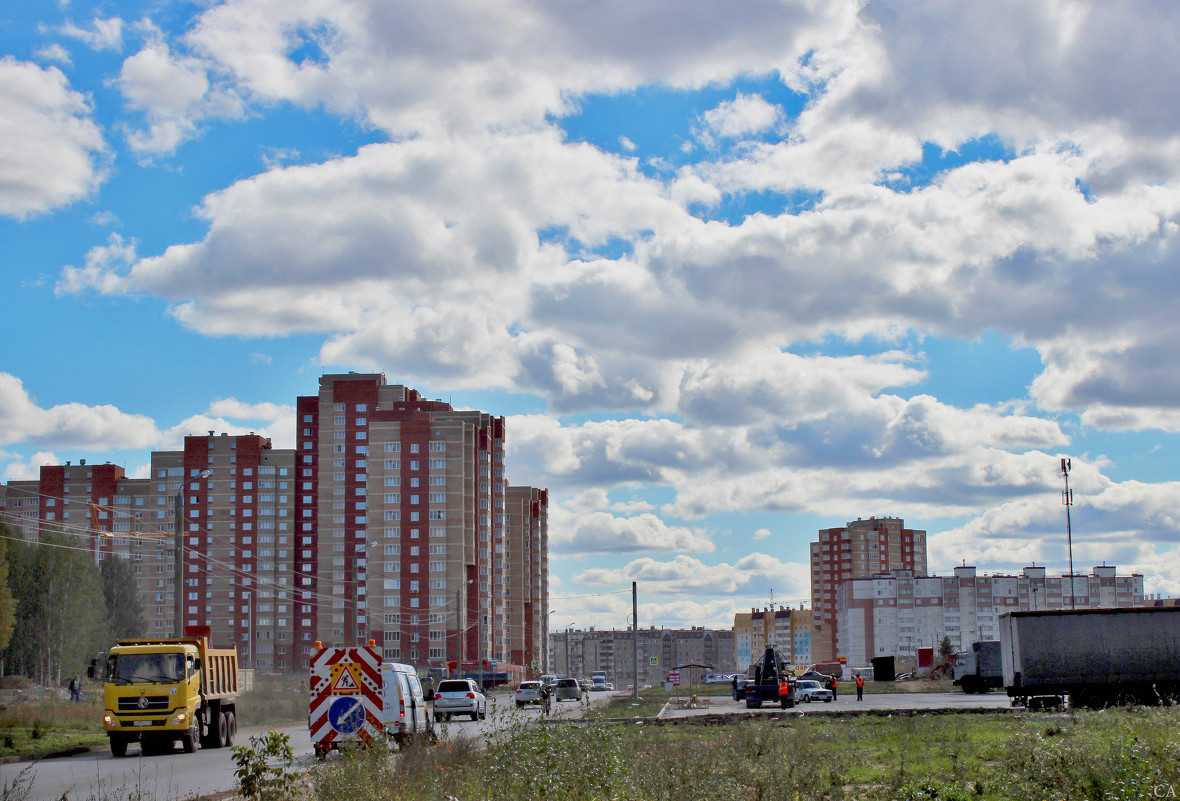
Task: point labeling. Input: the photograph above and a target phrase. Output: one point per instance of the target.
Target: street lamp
(178, 566)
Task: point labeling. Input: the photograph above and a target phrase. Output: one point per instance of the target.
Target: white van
(403, 713)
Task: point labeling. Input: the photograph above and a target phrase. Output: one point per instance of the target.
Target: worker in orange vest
(784, 690)
(860, 687)
(835, 687)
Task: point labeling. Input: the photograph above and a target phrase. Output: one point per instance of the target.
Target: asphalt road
(847, 701)
(98, 775)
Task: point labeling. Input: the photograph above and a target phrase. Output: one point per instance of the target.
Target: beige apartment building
(896, 613)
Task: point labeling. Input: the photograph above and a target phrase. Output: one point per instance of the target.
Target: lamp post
(178, 562)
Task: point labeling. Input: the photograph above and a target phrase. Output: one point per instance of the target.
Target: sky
(732, 272)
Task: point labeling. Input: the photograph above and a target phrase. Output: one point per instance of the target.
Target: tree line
(58, 609)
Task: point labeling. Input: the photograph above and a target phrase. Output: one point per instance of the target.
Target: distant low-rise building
(788, 630)
(895, 613)
(577, 652)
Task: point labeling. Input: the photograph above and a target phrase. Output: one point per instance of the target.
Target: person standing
(835, 688)
(76, 689)
(860, 687)
(784, 691)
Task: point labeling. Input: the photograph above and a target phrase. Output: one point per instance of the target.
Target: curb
(65, 752)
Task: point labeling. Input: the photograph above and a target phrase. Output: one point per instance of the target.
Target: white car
(809, 690)
(459, 697)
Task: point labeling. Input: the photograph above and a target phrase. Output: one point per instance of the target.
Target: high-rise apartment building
(858, 550)
(526, 553)
(388, 521)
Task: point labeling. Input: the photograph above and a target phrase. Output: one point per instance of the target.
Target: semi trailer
(1093, 657)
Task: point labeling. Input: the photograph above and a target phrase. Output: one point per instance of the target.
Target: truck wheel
(118, 747)
(231, 728)
(219, 730)
(191, 740)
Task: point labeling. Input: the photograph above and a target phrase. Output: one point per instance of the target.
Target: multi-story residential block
(788, 630)
(526, 552)
(896, 613)
(580, 653)
(861, 549)
(388, 521)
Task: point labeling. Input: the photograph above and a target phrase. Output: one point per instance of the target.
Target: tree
(945, 648)
(7, 601)
(124, 609)
(60, 611)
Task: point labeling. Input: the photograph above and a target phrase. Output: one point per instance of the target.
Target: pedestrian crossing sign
(346, 679)
(653, 660)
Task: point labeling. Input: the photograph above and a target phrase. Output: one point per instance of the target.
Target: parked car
(811, 690)
(568, 690)
(529, 692)
(722, 679)
(815, 675)
(459, 697)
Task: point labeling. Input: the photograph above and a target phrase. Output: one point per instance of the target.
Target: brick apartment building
(391, 520)
(860, 549)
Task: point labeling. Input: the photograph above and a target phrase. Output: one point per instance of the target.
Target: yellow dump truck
(158, 691)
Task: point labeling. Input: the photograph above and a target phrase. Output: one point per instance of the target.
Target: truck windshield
(145, 668)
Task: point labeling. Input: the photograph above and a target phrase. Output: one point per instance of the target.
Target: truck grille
(155, 703)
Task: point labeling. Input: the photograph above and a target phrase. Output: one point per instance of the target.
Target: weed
(259, 778)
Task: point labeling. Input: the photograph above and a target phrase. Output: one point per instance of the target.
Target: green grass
(1113, 754)
(40, 722)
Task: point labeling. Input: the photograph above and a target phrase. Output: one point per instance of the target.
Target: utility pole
(634, 641)
(1067, 499)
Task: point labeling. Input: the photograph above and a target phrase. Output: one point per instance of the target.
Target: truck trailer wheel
(231, 727)
(118, 747)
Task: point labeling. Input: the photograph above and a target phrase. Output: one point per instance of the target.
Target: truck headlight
(109, 721)
(178, 719)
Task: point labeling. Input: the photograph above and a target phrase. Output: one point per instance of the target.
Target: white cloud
(30, 470)
(55, 52)
(53, 151)
(102, 34)
(68, 425)
(600, 532)
(753, 575)
(761, 533)
(745, 114)
(171, 89)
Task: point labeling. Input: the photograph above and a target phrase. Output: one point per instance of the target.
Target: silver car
(568, 690)
(459, 697)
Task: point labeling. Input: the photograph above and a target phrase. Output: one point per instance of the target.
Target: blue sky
(733, 275)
